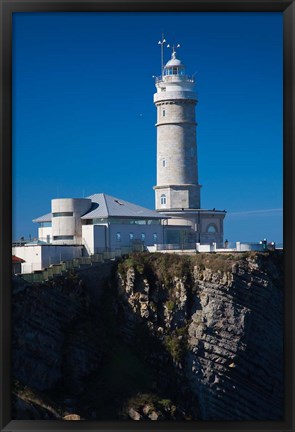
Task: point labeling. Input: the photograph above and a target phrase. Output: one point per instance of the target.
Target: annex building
(77, 227)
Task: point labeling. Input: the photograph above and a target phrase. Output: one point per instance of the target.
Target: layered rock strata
(223, 330)
(55, 341)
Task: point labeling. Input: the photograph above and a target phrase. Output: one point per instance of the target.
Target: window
(65, 237)
(163, 199)
(118, 236)
(131, 236)
(155, 237)
(164, 163)
(154, 222)
(45, 224)
(211, 229)
(143, 237)
(140, 222)
(163, 113)
(62, 214)
(98, 221)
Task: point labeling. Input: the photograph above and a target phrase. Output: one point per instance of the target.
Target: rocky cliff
(57, 342)
(219, 318)
(168, 337)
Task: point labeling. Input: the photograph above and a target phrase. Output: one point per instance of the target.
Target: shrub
(170, 304)
(176, 343)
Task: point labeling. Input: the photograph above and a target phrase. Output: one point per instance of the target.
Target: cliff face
(220, 320)
(153, 336)
(56, 342)
(50, 330)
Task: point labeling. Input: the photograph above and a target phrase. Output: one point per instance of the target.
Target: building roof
(16, 259)
(105, 206)
(45, 218)
(174, 62)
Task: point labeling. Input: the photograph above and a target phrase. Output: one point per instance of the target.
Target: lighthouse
(177, 192)
(177, 172)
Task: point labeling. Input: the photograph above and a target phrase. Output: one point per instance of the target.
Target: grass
(166, 267)
(217, 262)
(163, 267)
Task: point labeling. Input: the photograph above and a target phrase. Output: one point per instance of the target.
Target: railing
(171, 78)
(78, 263)
(21, 242)
(213, 247)
(65, 266)
(183, 246)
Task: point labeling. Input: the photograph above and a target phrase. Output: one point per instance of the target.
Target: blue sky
(83, 113)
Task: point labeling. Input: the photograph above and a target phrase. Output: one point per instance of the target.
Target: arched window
(211, 229)
(164, 163)
(163, 199)
(163, 112)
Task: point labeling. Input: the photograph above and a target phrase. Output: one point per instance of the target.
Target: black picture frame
(7, 8)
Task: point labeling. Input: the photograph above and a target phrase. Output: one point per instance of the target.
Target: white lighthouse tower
(177, 193)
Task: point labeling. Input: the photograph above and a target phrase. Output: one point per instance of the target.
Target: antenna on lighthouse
(162, 42)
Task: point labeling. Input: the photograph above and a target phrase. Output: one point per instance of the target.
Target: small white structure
(38, 256)
(177, 193)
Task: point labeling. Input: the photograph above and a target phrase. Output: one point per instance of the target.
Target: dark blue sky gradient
(83, 113)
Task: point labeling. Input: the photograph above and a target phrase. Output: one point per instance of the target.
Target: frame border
(7, 8)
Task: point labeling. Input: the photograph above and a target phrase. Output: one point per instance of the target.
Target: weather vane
(173, 49)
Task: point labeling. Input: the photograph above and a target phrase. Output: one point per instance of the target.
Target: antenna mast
(162, 42)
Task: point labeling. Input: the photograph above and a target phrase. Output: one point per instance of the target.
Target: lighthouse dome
(174, 66)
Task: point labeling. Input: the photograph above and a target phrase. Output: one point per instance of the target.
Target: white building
(78, 227)
(39, 255)
(177, 193)
(99, 222)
